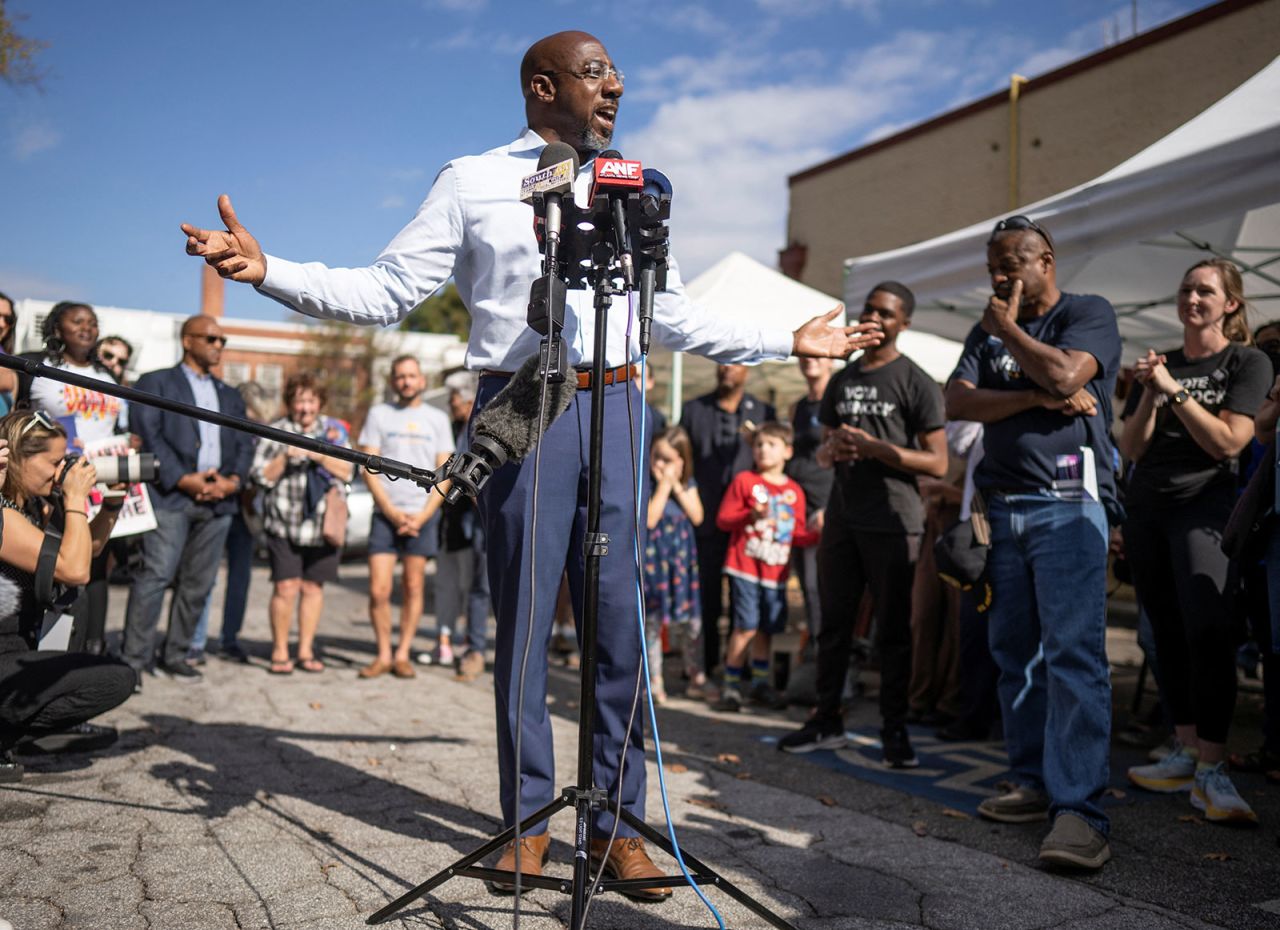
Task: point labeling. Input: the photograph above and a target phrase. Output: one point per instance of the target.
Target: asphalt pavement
(310, 801)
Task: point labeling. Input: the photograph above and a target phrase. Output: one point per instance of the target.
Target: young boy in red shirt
(763, 510)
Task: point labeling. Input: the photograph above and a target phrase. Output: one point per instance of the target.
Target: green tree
(17, 53)
(442, 312)
(346, 358)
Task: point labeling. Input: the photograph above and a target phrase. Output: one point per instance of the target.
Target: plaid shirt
(284, 504)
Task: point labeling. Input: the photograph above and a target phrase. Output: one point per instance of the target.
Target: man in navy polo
(1039, 371)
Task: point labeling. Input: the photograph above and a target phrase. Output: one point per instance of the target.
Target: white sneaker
(1216, 796)
(1175, 772)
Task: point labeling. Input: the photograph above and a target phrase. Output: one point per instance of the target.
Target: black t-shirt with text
(1040, 449)
(803, 467)
(1175, 468)
(896, 403)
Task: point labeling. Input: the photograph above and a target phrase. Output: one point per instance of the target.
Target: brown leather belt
(611, 375)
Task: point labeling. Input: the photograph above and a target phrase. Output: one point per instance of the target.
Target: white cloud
(392, 202)
(468, 39)
(868, 9)
(23, 285)
(729, 151)
(33, 139)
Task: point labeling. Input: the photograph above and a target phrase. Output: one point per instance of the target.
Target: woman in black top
(46, 691)
(1183, 429)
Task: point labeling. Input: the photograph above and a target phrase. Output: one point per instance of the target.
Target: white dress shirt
(473, 227)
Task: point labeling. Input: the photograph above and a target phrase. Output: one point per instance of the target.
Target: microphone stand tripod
(582, 796)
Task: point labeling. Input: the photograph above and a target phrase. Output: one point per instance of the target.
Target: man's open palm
(232, 252)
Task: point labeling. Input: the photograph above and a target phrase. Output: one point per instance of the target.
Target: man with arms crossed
(1039, 371)
(474, 227)
(417, 433)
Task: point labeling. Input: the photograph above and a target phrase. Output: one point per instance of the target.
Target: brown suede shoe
(375, 668)
(627, 859)
(470, 666)
(402, 668)
(534, 851)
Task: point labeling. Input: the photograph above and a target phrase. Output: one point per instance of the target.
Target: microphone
(617, 177)
(506, 430)
(545, 189)
(655, 208)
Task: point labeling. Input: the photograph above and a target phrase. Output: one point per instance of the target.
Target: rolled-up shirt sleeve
(416, 263)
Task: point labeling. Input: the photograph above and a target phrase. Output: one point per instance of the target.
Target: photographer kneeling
(46, 691)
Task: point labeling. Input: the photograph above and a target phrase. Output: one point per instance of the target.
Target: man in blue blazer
(201, 470)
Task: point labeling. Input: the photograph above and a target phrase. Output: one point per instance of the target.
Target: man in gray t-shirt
(403, 526)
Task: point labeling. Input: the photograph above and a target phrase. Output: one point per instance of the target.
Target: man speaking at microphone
(473, 226)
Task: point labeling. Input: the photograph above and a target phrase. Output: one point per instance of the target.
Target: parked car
(360, 510)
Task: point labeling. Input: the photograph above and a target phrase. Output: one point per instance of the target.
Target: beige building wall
(1074, 124)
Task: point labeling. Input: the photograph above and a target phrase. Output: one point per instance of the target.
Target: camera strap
(47, 561)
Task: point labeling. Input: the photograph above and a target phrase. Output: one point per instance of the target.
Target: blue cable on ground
(644, 658)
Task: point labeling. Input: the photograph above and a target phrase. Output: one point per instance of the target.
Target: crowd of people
(1010, 476)
(1016, 462)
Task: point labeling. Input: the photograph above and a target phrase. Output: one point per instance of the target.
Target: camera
(130, 468)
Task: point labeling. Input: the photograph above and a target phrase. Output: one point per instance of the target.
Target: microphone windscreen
(511, 418)
(557, 152)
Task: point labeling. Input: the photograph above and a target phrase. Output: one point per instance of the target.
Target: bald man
(201, 470)
(474, 227)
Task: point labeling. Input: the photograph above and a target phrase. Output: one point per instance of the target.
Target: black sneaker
(196, 657)
(898, 753)
(233, 653)
(83, 737)
(763, 695)
(730, 700)
(179, 671)
(815, 734)
(10, 771)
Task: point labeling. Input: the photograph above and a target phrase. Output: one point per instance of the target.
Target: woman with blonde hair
(1184, 427)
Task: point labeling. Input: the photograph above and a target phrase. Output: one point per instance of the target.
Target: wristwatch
(1180, 398)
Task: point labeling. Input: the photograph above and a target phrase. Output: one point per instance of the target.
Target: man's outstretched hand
(819, 339)
(232, 252)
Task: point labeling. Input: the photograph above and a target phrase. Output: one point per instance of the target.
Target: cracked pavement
(310, 801)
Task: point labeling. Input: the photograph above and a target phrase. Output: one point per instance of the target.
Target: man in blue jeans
(1039, 371)
(201, 470)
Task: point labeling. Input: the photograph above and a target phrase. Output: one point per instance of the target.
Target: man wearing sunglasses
(474, 227)
(1039, 371)
(201, 469)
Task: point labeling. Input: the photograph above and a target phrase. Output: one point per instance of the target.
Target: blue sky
(326, 121)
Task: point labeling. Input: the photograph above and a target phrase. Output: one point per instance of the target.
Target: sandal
(312, 665)
(284, 667)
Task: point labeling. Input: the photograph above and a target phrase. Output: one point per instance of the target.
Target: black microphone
(616, 176)
(506, 430)
(655, 209)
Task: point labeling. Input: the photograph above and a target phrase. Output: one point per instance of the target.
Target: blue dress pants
(506, 511)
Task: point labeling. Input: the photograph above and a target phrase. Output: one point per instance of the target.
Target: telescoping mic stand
(375, 464)
(588, 257)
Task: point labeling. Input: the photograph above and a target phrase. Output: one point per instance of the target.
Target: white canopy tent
(742, 287)
(1209, 188)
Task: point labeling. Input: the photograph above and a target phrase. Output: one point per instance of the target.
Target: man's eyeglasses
(594, 71)
(211, 339)
(39, 418)
(1019, 222)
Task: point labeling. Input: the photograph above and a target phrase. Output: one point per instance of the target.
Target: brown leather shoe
(402, 668)
(627, 859)
(471, 666)
(534, 851)
(375, 668)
